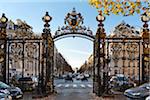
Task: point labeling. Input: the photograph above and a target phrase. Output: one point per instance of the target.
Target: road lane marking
(74, 85)
(82, 85)
(67, 85)
(59, 85)
(89, 85)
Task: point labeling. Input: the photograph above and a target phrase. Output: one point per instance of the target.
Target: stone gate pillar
(99, 57)
(146, 49)
(47, 57)
(3, 43)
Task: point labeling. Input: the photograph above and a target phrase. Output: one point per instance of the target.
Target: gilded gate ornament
(74, 19)
(73, 27)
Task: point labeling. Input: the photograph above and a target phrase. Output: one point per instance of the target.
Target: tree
(121, 7)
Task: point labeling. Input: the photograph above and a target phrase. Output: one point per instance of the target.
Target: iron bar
(23, 43)
(8, 62)
(4, 72)
(39, 72)
(99, 64)
(52, 66)
(107, 64)
(35, 61)
(123, 58)
(139, 63)
(94, 66)
(42, 69)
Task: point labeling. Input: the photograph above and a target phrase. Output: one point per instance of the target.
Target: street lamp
(47, 18)
(3, 19)
(100, 17)
(145, 18)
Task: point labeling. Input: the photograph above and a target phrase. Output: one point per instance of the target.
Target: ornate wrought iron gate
(23, 57)
(111, 55)
(117, 54)
(27, 55)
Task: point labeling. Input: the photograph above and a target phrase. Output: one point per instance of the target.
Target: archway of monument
(61, 83)
(74, 34)
(73, 28)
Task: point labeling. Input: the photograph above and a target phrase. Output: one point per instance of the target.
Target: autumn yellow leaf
(138, 11)
(122, 7)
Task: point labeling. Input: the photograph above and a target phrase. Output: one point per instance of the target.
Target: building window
(9, 74)
(128, 71)
(10, 27)
(116, 72)
(115, 66)
(133, 71)
(10, 61)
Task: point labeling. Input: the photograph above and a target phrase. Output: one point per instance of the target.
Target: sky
(75, 50)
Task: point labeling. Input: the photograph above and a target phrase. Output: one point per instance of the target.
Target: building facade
(124, 56)
(17, 59)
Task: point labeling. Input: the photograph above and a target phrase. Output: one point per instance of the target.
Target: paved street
(76, 90)
(67, 90)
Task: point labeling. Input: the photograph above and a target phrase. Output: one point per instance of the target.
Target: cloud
(79, 52)
(76, 51)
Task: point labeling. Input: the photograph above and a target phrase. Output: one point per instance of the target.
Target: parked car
(15, 92)
(79, 77)
(26, 83)
(87, 75)
(84, 78)
(4, 96)
(58, 76)
(120, 83)
(35, 81)
(140, 92)
(148, 98)
(64, 76)
(68, 78)
(119, 80)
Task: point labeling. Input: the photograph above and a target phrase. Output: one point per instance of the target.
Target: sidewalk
(109, 97)
(28, 96)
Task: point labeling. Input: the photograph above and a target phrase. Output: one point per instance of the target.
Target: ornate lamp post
(99, 54)
(146, 46)
(3, 25)
(47, 46)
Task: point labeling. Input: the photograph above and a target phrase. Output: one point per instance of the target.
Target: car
(148, 98)
(87, 75)
(35, 81)
(119, 80)
(26, 84)
(79, 77)
(140, 92)
(64, 76)
(4, 96)
(68, 78)
(15, 92)
(84, 79)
